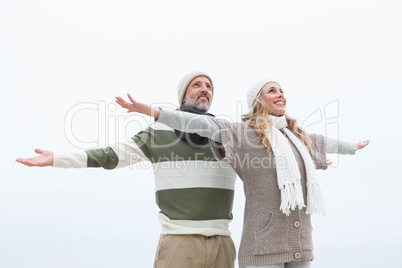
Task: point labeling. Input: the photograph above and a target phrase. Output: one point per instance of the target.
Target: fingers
(24, 162)
(366, 142)
(120, 99)
(124, 104)
(121, 102)
(362, 144)
(29, 161)
(131, 98)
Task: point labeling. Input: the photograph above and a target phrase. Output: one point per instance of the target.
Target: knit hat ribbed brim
(185, 81)
(254, 90)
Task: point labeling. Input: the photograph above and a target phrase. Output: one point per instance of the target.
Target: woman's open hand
(362, 144)
(137, 107)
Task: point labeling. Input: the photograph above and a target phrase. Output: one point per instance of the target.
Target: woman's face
(274, 98)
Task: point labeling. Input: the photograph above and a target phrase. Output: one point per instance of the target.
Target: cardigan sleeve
(226, 149)
(335, 146)
(203, 125)
(318, 148)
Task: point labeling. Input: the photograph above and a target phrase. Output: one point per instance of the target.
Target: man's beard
(192, 103)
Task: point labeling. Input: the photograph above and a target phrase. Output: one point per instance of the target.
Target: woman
(276, 160)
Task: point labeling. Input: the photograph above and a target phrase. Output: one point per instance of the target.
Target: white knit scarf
(288, 174)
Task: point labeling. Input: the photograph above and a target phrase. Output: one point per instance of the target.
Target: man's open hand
(45, 158)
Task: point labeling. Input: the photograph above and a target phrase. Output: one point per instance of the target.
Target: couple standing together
(273, 156)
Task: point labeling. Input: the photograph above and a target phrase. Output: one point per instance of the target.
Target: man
(193, 190)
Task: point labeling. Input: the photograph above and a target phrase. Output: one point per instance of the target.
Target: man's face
(198, 95)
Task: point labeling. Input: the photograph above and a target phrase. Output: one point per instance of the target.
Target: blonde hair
(257, 118)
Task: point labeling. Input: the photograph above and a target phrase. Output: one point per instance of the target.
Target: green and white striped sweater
(193, 190)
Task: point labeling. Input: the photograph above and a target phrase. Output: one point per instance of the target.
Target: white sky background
(345, 55)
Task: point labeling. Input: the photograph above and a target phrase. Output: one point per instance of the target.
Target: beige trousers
(195, 251)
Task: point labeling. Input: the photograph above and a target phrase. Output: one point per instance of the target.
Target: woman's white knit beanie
(254, 90)
(183, 84)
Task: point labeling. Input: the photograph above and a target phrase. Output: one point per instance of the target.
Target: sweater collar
(193, 139)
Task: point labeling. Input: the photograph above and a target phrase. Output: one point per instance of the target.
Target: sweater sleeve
(203, 125)
(111, 157)
(70, 160)
(318, 149)
(225, 149)
(334, 146)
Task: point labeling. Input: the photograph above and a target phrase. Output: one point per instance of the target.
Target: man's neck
(190, 109)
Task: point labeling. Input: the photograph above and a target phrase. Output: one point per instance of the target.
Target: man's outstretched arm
(116, 156)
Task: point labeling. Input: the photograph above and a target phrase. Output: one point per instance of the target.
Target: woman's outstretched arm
(335, 146)
(138, 107)
(202, 125)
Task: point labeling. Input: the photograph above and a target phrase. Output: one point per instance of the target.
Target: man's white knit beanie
(185, 81)
(254, 90)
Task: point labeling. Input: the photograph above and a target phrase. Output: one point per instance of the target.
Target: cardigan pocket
(273, 238)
